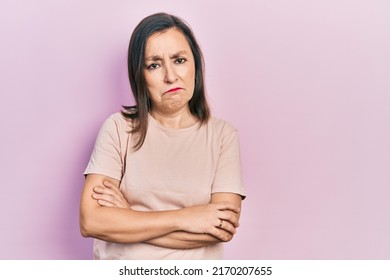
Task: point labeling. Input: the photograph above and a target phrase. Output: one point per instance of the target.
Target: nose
(170, 74)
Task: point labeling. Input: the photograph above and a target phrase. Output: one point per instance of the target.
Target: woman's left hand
(109, 195)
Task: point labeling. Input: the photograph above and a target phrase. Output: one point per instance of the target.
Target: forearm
(184, 240)
(126, 226)
(187, 240)
(120, 225)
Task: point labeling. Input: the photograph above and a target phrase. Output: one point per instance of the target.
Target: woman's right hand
(218, 219)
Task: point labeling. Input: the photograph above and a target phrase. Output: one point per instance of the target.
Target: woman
(164, 179)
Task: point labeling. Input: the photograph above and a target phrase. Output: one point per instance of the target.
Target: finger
(225, 225)
(106, 191)
(112, 196)
(236, 217)
(105, 203)
(226, 236)
(228, 206)
(104, 200)
(230, 217)
(109, 198)
(221, 234)
(99, 189)
(110, 185)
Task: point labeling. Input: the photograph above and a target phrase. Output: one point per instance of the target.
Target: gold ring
(220, 224)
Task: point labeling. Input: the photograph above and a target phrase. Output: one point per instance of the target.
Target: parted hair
(138, 113)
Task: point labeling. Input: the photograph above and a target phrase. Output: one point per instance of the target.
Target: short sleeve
(107, 156)
(228, 177)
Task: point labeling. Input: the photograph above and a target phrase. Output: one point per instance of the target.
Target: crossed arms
(105, 214)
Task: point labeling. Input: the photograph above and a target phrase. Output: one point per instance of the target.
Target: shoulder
(225, 135)
(117, 117)
(115, 128)
(117, 121)
(221, 126)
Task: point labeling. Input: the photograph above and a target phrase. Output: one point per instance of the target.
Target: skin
(169, 64)
(105, 212)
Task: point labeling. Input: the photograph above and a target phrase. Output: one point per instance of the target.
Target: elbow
(89, 223)
(86, 229)
(91, 227)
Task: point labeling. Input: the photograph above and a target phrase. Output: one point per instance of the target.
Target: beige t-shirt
(174, 168)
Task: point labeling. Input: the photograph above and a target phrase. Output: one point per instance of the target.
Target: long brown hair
(198, 105)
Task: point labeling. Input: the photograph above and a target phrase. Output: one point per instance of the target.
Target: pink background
(306, 83)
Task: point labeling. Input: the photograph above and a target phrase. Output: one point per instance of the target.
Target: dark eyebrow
(158, 58)
(153, 58)
(178, 54)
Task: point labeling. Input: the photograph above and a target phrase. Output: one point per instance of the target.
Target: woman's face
(169, 71)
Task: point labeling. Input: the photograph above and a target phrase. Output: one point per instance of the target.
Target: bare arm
(111, 196)
(187, 240)
(129, 226)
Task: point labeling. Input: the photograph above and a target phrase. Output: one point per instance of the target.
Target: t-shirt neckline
(154, 122)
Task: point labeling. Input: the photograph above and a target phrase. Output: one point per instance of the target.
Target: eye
(180, 60)
(153, 66)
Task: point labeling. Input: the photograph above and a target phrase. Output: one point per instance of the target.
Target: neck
(180, 119)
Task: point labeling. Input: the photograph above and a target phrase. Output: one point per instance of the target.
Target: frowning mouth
(173, 89)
